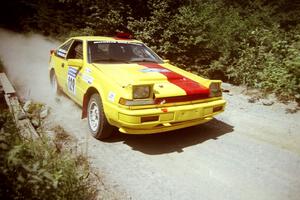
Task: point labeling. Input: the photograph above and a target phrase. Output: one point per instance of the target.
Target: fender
(85, 100)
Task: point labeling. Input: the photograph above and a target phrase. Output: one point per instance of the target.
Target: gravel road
(251, 151)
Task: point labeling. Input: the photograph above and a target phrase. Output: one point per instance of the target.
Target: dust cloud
(25, 58)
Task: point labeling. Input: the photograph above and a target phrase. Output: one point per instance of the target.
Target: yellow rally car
(120, 82)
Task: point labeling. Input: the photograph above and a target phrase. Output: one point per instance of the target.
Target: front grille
(181, 98)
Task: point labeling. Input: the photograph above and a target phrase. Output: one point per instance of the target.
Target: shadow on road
(174, 141)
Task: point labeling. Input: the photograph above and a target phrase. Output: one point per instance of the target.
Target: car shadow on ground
(173, 141)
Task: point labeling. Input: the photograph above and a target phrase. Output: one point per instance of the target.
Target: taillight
(52, 51)
(217, 109)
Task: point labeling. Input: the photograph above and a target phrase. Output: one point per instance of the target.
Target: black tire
(54, 84)
(97, 122)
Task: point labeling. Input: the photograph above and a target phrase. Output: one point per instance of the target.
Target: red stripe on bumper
(192, 88)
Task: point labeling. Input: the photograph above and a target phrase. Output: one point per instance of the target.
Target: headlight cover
(215, 89)
(136, 102)
(141, 91)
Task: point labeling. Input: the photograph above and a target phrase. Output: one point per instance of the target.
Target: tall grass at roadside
(35, 169)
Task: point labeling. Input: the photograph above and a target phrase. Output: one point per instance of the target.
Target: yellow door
(73, 71)
(60, 63)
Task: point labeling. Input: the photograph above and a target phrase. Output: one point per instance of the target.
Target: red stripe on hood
(188, 85)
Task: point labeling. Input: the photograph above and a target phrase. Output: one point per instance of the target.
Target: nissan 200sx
(120, 82)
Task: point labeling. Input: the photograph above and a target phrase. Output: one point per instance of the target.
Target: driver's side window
(62, 50)
(141, 52)
(76, 50)
(138, 52)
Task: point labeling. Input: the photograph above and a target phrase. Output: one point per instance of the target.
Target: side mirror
(75, 62)
(166, 61)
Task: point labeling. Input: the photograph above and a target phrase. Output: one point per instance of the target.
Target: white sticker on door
(71, 82)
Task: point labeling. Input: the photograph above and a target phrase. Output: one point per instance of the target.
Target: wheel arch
(90, 91)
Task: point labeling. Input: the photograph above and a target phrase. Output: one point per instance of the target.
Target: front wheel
(98, 124)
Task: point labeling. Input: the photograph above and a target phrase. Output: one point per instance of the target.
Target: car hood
(166, 82)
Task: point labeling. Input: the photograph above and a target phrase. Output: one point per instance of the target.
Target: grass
(34, 169)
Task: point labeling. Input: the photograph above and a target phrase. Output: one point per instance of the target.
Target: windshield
(99, 52)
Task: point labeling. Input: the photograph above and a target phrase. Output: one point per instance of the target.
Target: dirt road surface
(250, 152)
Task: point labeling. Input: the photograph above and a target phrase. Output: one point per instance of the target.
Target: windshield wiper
(143, 60)
(109, 60)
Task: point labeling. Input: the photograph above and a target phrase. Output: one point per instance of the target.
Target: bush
(34, 169)
(74, 33)
(268, 60)
(245, 42)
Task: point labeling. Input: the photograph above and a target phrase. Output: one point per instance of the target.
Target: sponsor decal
(62, 52)
(105, 42)
(190, 86)
(111, 96)
(88, 70)
(71, 81)
(163, 102)
(116, 42)
(87, 78)
(147, 70)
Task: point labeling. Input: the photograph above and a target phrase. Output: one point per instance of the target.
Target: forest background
(252, 43)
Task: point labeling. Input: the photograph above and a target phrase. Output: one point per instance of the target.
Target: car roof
(103, 38)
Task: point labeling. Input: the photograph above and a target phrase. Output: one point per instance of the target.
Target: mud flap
(84, 106)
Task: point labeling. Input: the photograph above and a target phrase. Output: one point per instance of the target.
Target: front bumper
(155, 120)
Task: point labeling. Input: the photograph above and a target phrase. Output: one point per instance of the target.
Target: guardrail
(19, 115)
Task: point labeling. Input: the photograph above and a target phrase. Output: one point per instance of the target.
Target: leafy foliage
(34, 169)
(269, 60)
(245, 42)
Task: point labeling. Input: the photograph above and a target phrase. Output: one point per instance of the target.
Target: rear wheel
(54, 85)
(98, 124)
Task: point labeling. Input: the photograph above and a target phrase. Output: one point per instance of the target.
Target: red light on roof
(124, 35)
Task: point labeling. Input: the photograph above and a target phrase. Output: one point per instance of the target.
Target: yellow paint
(114, 81)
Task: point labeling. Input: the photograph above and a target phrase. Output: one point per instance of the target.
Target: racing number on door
(71, 84)
(71, 81)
